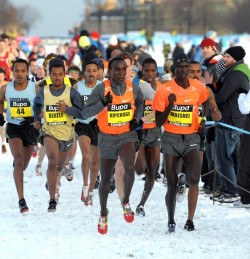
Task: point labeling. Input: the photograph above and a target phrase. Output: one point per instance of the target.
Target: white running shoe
(239, 204)
(181, 187)
(68, 172)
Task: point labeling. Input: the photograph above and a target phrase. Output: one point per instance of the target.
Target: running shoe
(181, 187)
(85, 194)
(226, 198)
(171, 228)
(189, 226)
(239, 204)
(103, 224)
(140, 211)
(24, 210)
(35, 150)
(4, 149)
(128, 213)
(90, 201)
(52, 205)
(38, 170)
(68, 172)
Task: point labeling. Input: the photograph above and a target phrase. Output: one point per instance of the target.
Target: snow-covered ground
(71, 232)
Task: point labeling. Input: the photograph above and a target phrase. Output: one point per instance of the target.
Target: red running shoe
(128, 213)
(103, 225)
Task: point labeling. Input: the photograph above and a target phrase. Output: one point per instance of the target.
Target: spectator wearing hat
(233, 81)
(211, 75)
(112, 44)
(88, 51)
(39, 71)
(95, 37)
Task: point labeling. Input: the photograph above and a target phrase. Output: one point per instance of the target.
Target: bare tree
(28, 16)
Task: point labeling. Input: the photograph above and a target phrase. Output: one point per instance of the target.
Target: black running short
(89, 130)
(27, 133)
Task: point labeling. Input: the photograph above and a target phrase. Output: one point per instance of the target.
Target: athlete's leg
(127, 155)
(72, 151)
(170, 163)
(52, 152)
(152, 156)
(140, 162)
(85, 147)
(94, 167)
(119, 178)
(193, 165)
(106, 170)
(21, 157)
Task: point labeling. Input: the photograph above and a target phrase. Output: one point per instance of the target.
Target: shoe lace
(103, 221)
(127, 209)
(180, 188)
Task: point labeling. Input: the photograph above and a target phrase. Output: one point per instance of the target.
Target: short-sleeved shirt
(183, 118)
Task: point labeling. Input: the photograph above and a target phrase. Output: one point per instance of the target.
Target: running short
(110, 144)
(64, 146)
(82, 129)
(179, 144)
(151, 137)
(27, 133)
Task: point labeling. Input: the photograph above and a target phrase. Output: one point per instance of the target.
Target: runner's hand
(107, 99)
(37, 124)
(172, 98)
(133, 124)
(62, 106)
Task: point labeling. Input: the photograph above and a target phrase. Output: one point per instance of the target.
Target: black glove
(133, 124)
(107, 99)
(28, 120)
(2, 121)
(172, 99)
(202, 127)
(93, 123)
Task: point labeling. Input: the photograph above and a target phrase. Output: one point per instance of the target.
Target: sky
(71, 232)
(57, 16)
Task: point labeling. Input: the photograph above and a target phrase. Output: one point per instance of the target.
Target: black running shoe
(171, 228)
(140, 211)
(157, 177)
(52, 205)
(112, 185)
(23, 207)
(189, 226)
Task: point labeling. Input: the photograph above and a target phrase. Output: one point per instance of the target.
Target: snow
(71, 232)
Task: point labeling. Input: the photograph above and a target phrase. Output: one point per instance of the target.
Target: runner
(87, 135)
(20, 132)
(176, 104)
(117, 102)
(148, 157)
(57, 131)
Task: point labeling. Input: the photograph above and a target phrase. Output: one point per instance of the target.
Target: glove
(93, 123)
(28, 120)
(133, 124)
(107, 99)
(202, 127)
(171, 99)
(2, 121)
